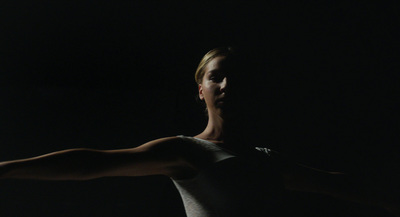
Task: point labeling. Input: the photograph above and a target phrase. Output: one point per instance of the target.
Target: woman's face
(216, 85)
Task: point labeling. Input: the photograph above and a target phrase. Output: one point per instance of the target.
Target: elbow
(75, 164)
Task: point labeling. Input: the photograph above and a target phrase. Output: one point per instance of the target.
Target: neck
(222, 132)
(216, 128)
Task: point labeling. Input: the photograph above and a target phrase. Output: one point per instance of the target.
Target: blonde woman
(215, 172)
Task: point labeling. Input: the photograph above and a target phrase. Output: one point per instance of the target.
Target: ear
(201, 96)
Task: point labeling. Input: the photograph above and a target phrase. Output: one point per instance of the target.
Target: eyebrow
(214, 71)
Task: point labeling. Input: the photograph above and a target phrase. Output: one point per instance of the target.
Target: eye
(216, 78)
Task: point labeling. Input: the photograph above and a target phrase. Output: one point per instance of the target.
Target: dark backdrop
(114, 74)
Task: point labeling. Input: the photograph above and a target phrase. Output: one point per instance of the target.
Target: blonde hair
(210, 55)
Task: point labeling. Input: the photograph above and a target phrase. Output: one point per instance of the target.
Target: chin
(227, 115)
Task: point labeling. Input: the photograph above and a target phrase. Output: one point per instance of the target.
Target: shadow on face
(247, 90)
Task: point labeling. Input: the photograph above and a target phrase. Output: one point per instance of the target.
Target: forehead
(218, 63)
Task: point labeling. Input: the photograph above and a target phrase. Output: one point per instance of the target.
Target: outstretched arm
(158, 157)
(298, 177)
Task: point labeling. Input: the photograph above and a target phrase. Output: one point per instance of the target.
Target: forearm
(335, 184)
(73, 164)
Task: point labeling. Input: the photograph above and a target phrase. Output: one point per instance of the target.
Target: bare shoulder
(190, 155)
(173, 147)
(164, 144)
(187, 160)
(178, 146)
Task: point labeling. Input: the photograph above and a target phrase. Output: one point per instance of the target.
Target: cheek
(207, 93)
(209, 89)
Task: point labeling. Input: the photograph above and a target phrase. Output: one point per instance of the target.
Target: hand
(2, 170)
(393, 209)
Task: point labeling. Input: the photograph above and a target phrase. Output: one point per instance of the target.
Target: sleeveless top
(232, 185)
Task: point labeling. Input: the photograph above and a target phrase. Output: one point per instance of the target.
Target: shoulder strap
(264, 150)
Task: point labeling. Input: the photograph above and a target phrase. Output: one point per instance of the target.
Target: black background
(116, 74)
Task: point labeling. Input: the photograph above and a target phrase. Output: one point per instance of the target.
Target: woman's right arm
(159, 157)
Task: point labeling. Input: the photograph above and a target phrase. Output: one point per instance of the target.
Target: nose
(224, 84)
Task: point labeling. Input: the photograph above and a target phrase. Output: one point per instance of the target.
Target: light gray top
(224, 188)
(195, 201)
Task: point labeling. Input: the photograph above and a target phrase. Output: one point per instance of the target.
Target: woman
(216, 172)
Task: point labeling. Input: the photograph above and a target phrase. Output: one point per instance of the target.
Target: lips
(222, 100)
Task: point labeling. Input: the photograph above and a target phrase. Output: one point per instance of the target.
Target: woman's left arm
(298, 177)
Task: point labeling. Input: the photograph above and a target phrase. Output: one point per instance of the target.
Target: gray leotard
(232, 186)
